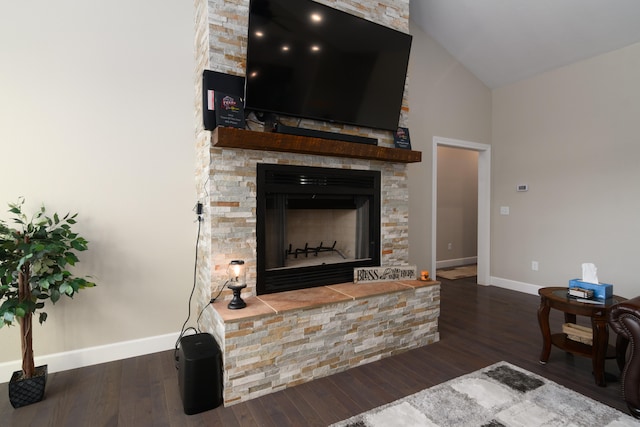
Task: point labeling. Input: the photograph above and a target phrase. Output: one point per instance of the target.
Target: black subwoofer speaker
(199, 373)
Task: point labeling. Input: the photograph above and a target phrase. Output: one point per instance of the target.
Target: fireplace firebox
(314, 225)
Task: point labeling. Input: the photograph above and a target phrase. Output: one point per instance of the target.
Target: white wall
(96, 116)
(572, 135)
(445, 100)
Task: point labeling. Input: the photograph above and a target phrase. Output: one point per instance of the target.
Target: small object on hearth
(384, 273)
(424, 275)
(237, 282)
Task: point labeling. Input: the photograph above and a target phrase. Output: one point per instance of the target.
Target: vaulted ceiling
(504, 41)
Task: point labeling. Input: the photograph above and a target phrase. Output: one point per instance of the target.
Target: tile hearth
(283, 339)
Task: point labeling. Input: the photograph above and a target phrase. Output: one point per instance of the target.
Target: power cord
(221, 289)
(205, 307)
(198, 209)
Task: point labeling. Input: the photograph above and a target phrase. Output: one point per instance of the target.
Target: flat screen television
(308, 60)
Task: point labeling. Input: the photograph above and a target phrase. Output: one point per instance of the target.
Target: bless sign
(384, 274)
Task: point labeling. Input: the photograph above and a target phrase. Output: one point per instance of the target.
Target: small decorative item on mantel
(401, 138)
(229, 110)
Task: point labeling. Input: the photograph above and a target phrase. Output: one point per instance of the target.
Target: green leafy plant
(35, 254)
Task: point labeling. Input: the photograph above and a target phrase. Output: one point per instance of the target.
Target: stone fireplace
(285, 338)
(226, 178)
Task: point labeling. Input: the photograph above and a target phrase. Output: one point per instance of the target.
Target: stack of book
(581, 293)
(578, 333)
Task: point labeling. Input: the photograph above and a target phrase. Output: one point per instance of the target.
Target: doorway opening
(484, 203)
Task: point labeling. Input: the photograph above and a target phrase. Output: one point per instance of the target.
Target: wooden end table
(557, 298)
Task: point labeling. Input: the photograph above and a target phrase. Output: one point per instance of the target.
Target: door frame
(484, 202)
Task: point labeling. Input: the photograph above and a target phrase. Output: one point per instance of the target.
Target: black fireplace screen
(314, 225)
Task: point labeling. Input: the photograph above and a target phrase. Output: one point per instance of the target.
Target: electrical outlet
(534, 265)
(450, 246)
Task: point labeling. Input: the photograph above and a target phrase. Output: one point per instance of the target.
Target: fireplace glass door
(314, 225)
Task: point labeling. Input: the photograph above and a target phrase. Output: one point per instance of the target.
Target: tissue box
(600, 292)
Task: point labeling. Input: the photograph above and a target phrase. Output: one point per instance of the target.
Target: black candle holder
(237, 302)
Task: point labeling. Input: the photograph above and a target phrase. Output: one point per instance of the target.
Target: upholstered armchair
(624, 319)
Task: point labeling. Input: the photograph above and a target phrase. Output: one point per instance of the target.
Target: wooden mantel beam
(226, 137)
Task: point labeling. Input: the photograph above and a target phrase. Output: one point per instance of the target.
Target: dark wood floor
(478, 326)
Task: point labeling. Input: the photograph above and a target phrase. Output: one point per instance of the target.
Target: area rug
(498, 395)
(458, 272)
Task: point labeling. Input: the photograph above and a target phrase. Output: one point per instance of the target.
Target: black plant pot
(25, 391)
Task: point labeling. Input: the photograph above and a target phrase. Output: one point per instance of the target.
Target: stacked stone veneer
(226, 178)
(271, 352)
(226, 184)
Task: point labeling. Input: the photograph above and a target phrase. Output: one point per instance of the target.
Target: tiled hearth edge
(285, 339)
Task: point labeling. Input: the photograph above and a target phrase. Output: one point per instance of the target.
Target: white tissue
(589, 273)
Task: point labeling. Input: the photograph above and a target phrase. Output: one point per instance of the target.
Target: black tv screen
(308, 60)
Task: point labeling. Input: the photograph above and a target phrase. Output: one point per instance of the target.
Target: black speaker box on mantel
(214, 81)
(199, 373)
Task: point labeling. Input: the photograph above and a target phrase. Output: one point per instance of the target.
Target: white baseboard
(447, 263)
(527, 288)
(95, 355)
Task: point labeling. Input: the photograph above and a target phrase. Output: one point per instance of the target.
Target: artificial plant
(35, 254)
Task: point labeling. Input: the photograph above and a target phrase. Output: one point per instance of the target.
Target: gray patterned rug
(498, 395)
